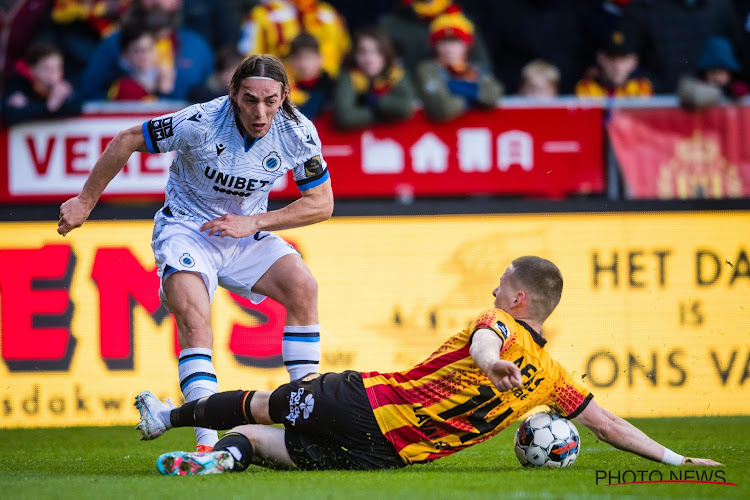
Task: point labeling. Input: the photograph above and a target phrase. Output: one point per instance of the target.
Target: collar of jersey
(540, 341)
(249, 141)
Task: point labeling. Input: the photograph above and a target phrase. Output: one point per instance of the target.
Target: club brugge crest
(272, 161)
(186, 260)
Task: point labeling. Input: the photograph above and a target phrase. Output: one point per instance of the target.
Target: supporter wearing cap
(449, 83)
(617, 62)
(715, 79)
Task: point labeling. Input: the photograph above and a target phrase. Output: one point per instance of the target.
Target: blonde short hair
(544, 69)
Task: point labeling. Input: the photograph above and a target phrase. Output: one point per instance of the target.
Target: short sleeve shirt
(218, 170)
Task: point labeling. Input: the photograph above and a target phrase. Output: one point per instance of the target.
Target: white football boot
(152, 424)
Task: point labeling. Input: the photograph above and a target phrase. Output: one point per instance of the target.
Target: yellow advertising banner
(654, 316)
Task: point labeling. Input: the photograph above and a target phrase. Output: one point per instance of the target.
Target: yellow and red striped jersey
(446, 403)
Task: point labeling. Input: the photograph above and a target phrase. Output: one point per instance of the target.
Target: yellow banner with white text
(654, 314)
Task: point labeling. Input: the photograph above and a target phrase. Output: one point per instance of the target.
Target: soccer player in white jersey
(214, 228)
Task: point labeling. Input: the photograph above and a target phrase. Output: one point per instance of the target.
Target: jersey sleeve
(570, 396)
(175, 131)
(310, 169)
(493, 321)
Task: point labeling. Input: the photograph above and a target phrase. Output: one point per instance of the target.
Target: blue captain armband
(311, 182)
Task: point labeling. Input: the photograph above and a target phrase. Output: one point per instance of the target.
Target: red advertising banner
(548, 152)
(668, 153)
(517, 151)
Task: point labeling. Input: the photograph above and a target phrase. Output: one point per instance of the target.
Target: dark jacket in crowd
(550, 30)
(669, 35)
(194, 63)
(36, 106)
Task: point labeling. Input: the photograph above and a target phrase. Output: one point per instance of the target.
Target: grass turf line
(111, 463)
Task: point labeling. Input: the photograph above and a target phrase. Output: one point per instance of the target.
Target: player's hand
(701, 461)
(504, 375)
(236, 226)
(73, 213)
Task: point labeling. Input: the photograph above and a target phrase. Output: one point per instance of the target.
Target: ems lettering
(123, 283)
(258, 344)
(36, 309)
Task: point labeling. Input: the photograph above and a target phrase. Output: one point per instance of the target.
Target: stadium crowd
(369, 62)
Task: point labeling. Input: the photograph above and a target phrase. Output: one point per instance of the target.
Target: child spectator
(539, 79)
(449, 84)
(408, 25)
(181, 49)
(311, 85)
(38, 89)
(217, 85)
(715, 79)
(144, 78)
(617, 61)
(373, 87)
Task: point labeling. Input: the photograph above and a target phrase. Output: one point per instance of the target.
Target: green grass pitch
(111, 463)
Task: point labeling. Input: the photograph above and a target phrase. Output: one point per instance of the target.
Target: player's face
(258, 101)
(506, 293)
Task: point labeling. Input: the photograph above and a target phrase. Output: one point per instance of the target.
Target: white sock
(300, 349)
(198, 380)
(165, 417)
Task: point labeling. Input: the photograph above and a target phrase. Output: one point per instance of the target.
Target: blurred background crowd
(372, 61)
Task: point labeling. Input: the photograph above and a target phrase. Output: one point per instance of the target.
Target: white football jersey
(217, 170)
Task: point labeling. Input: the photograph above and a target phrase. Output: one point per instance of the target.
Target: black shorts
(330, 425)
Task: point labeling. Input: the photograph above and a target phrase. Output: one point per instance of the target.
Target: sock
(198, 380)
(239, 446)
(219, 411)
(300, 349)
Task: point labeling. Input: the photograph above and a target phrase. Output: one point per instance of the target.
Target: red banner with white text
(548, 152)
(669, 153)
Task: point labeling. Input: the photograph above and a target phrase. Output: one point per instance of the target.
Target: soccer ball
(547, 440)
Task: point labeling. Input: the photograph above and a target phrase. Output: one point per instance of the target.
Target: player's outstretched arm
(75, 211)
(625, 436)
(315, 205)
(485, 351)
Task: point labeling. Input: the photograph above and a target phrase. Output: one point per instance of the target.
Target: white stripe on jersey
(213, 173)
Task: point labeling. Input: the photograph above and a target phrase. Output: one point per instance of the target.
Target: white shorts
(232, 263)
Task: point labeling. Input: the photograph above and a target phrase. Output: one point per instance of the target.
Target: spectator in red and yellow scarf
(271, 26)
(450, 84)
(373, 86)
(617, 62)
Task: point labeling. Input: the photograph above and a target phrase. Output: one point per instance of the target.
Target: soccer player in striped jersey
(214, 227)
(475, 385)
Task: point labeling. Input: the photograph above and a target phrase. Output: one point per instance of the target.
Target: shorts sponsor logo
(272, 161)
(299, 406)
(186, 260)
